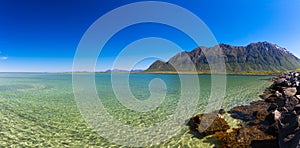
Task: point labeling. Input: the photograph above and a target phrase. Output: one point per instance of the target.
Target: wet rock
(222, 111)
(242, 137)
(272, 98)
(276, 88)
(265, 144)
(261, 114)
(208, 124)
(248, 112)
(265, 96)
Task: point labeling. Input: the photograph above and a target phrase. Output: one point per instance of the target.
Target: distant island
(122, 71)
(107, 71)
(255, 58)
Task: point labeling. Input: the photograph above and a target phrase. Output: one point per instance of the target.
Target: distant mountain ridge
(255, 57)
(122, 71)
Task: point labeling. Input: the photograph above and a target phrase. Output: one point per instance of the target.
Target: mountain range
(255, 57)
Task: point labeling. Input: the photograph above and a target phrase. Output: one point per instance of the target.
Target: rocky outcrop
(285, 107)
(257, 129)
(247, 136)
(203, 123)
(273, 121)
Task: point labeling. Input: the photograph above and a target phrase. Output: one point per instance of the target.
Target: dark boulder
(291, 102)
(222, 112)
(289, 131)
(208, 124)
(243, 137)
(297, 109)
(250, 112)
(272, 107)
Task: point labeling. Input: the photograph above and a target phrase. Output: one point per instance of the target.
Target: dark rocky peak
(225, 46)
(159, 61)
(267, 46)
(196, 51)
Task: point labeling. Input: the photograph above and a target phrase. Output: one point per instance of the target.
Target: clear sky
(42, 35)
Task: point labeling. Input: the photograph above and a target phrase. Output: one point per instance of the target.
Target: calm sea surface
(38, 109)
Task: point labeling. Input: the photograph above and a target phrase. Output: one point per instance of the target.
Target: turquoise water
(39, 109)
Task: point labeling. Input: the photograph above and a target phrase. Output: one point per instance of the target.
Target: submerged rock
(208, 124)
(247, 113)
(243, 137)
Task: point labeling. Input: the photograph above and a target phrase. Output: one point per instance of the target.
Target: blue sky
(42, 35)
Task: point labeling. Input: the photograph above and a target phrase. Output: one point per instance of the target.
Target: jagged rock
(277, 115)
(289, 131)
(298, 90)
(290, 91)
(278, 94)
(272, 107)
(280, 101)
(265, 96)
(291, 102)
(297, 109)
(281, 82)
(208, 124)
(272, 98)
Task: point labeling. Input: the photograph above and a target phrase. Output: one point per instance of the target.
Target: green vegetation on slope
(261, 57)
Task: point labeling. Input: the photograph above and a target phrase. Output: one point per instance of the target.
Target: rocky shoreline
(271, 122)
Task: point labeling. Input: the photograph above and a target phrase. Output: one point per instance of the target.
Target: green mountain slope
(255, 57)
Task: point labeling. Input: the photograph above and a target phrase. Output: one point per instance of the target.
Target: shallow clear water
(39, 109)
